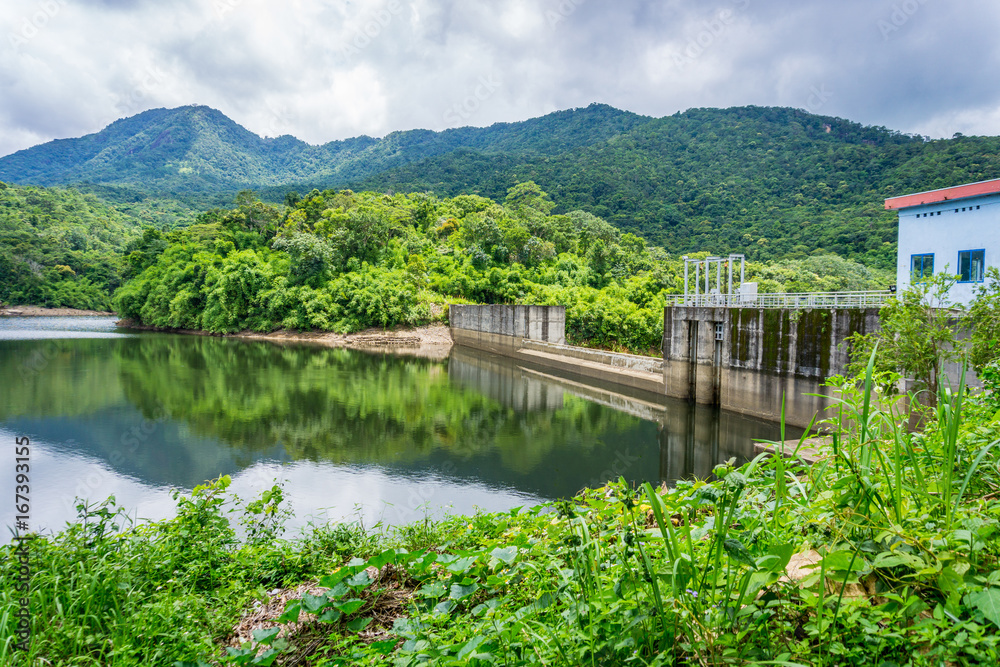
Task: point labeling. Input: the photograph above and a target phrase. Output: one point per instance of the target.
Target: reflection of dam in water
(692, 438)
(502, 380)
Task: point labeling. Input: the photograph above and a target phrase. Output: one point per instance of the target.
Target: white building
(953, 229)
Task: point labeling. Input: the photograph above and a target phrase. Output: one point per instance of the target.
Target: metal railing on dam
(832, 300)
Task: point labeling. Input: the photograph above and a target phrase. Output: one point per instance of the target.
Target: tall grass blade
(866, 411)
(968, 475)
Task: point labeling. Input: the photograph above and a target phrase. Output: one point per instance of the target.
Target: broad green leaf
(313, 603)
(266, 658)
(384, 647)
(841, 561)
(291, 613)
(461, 565)
(777, 558)
(359, 580)
(419, 565)
(330, 615)
(470, 646)
(494, 581)
(506, 555)
(460, 592)
(387, 556)
(950, 581)
(265, 636)
(433, 590)
(241, 656)
(338, 591)
(349, 606)
(739, 553)
(758, 580)
(988, 603)
(963, 536)
(359, 624)
(545, 600)
(445, 607)
(890, 559)
(331, 580)
(951, 584)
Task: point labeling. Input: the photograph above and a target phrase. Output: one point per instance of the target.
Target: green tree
(253, 215)
(918, 334)
(983, 322)
(528, 198)
(311, 257)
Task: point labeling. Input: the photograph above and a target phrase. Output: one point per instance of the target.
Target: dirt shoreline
(431, 341)
(39, 311)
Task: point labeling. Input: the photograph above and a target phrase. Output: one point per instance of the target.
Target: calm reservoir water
(352, 435)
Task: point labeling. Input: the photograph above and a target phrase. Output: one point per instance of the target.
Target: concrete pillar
(716, 370)
(692, 360)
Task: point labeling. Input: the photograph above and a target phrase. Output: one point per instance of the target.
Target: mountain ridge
(199, 149)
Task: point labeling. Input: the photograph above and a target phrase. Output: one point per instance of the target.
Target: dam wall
(747, 359)
(743, 360)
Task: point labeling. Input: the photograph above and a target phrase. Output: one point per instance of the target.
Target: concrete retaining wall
(545, 323)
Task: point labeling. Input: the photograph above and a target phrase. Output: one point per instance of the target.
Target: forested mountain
(770, 182)
(198, 150)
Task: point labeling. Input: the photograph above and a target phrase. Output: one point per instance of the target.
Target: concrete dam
(741, 359)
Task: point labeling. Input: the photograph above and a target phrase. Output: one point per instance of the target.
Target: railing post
(685, 278)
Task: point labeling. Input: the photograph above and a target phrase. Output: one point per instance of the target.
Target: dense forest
(345, 261)
(60, 247)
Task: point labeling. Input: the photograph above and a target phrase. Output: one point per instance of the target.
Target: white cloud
(332, 69)
(970, 122)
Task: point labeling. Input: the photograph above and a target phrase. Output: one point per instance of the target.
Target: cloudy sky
(331, 69)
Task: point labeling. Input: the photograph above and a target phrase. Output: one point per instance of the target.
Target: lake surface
(353, 436)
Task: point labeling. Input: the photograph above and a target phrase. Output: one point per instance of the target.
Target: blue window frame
(921, 266)
(971, 266)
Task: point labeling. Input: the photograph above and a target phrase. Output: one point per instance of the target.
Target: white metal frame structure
(720, 263)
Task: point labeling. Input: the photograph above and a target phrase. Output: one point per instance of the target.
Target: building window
(971, 266)
(921, 266)
(720, 331)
